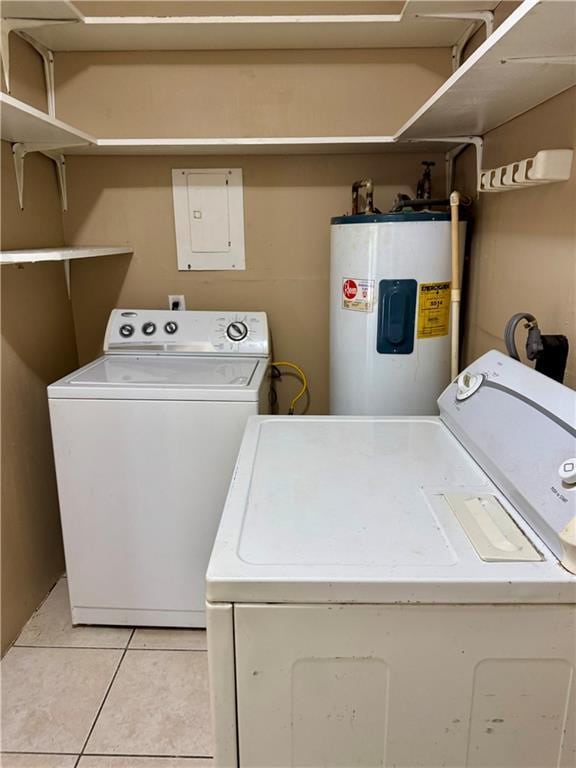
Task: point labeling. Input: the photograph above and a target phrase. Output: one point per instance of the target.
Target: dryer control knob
(171, 327)
(467, 384)
(567, 471)
(148, 329)
(237, 331)
(126, 330)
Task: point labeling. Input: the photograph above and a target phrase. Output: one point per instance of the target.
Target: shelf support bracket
(59, 159)
(477, 17)
(19, 153)
(461, 143)
(53, 151)
(19, 26)
(67, 276)
(449, 159)
(48, 62)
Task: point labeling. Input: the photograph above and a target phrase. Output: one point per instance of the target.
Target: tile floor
(103, 697)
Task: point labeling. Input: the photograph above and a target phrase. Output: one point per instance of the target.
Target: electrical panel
(209, 218)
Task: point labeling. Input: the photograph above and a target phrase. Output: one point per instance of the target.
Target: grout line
(107, 754)
(163, 650)
(144, 756)
(44, 752)
(74, 648)
(105, 697)
(108, 648)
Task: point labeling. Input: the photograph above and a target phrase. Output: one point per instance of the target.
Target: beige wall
(524, 249)
(38, 346)
(246, 93)
(288, 203)
(288, 200)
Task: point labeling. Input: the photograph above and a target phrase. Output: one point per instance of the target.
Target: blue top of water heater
(385, 218)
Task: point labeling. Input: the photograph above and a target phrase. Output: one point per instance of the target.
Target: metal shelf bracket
(19, 152)
(19, 26)
(461, 143)
(476, 17)
(67, 276)
(48, 63)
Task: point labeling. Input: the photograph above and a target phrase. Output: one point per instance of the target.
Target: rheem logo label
(350, 289)
(358, 294)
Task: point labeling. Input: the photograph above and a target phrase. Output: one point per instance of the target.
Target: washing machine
(400, 591)
(145, 440)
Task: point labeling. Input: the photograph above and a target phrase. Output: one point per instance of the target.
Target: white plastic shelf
(240, 146)
(242, 32)
(22, 123)
(58, 254)
(530, 58)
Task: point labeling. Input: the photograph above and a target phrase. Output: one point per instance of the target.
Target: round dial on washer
(171, 327)
(148, 329)
(126, 330)
(237, 331)
(567, 471)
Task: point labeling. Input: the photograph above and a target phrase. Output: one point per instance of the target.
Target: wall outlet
(177, 302)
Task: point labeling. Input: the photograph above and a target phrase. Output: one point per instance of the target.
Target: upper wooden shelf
(33, 256)
(412, 27)
(239, 146)
(530, 58)
(291, 145)
(25, 124)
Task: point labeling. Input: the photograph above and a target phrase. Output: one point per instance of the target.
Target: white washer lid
(345, 509)
(164, 377)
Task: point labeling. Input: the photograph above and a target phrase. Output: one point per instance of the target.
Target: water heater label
(433, 310)
(358, 294)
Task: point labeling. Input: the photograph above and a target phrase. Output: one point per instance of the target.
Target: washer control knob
(567, 471)
(237, 331)
(467, 384)
(171, 327)
(126, 330)
(148, 329)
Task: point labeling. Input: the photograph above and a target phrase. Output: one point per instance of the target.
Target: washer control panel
(174, 332)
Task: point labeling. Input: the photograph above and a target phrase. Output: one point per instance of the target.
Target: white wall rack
(30, 130)
(239, 146)
(413, 26)
(488, 90)
(65, 255)
(528, 59)
(546, 167)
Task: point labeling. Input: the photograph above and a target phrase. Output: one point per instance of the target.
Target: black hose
(510, 331)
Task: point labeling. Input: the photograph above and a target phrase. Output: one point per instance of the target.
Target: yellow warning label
(433, 310)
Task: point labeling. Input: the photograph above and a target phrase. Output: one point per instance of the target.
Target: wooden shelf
(25, 124)
(239, 146)
(512, 72)
(300, 145)
(529, 59)
(334, 31)
(58, 254)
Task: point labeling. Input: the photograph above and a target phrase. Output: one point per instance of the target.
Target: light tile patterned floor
(102, 697)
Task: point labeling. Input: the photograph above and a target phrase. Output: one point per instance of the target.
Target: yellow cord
(302, 377)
